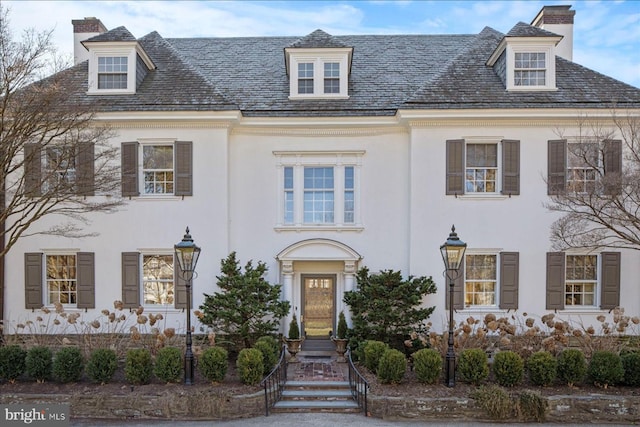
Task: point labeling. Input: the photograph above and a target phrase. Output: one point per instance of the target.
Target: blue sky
(606, 33)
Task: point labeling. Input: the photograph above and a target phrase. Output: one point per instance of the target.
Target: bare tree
(55, 157)
(600, 192)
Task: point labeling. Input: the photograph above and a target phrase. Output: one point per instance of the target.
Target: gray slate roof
(389, 72)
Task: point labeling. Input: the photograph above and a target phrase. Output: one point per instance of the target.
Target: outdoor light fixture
(452, 253)
(187, 254)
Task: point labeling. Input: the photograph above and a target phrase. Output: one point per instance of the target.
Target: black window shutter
(556, 166)
(86, 280)
(85, 169)
(509, 279)
(129, 166)
(131, 279)
(458, 290)
(610, 280)
(180, 288)
(555, 280)
(612, 166)
(510, 167)
(33, 170)
(33, 275)
(184, 168)
(455, 166)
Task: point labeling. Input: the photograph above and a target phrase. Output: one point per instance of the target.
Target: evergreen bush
(294, 328)
(572, 366)
(214, 363)
(168, 366)
(605, 368)
(473, 366)
(508, 368)
(631, 365)
(138, 366)
(274, 343)
(102, 365)
(269, 357)
(427, 364)
(250, 366)
(68, 364)
(542, 368)
(342, 326)
(392, 366)
(494, 400)
(12, 362)
(373, 351)
(38, 363)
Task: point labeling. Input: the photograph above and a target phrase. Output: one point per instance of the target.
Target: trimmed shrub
(38, 363)
(542, 368)
(250, 366)
(102, 365)
(572, 366)
(213, 364)
(427, 364)
(508, 368)
(68, 364)
(605, 368)
(342, 326)
(494, 400)
(533, 406)
(138, 366)
(294, 328)
(631, 365)
(12, 362)
(274, 343)
(269, 357)
(392, 366)
(168, 366)
(473, 366)
(373, 351)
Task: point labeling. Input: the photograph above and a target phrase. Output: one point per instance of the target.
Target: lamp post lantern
(452, 254)
(187, 254)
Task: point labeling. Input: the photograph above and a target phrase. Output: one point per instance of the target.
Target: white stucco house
(322, 154)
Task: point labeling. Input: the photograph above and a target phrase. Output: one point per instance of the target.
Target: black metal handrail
(358, 385)
(274, 382)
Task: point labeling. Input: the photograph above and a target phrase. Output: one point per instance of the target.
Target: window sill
(324, 96)
(111, 92)
(157, 198)
(316, 227)
(532, 89)
(483, 196)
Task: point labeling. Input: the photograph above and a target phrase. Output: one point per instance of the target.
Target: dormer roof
(318, 39)
(119, 34)
(525, 30)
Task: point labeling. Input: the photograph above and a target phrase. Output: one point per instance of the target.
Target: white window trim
(596, 299)
(45, 287)
(486, 195)
(130, 49)
(599, 169)
(155, 251)
(483, 308)
(299, 160)
(318, 56)
(142, 142)
(531, 47)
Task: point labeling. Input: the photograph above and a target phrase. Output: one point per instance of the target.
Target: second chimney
(84, 29)
(558, 20)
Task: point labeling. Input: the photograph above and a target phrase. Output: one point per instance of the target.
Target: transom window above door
(319, 190)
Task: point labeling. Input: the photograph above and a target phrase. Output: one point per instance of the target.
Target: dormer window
(305, 77)
(112, 72)
(331, 77)
(530, 69)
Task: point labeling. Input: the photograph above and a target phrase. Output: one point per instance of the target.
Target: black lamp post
(187, 254)
(452, 253)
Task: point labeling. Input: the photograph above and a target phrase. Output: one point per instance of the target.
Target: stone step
(289, 385)
(316, 394)
(342, 406)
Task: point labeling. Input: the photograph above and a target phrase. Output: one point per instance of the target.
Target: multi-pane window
(61, 279)
(530, 69)
(288, 195)
(581, 279)
(157, 169)
(480, 275)
(331, 77)
(305, 77)
(481, 168)
(60, 168)
(112, 72)
(318, 195)
(157, 279)
(582, 163)
(349, 195)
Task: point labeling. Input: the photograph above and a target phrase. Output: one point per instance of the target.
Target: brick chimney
(558, 20)
(84, 29)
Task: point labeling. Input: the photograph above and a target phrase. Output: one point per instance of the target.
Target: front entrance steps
(317, 383)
